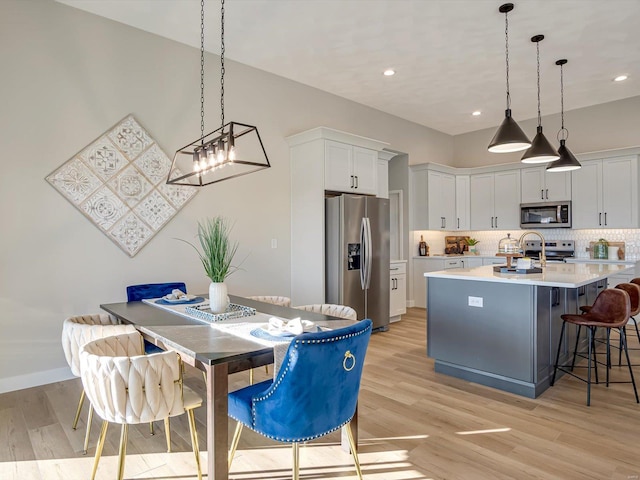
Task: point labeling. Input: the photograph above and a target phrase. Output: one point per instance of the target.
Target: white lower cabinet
(398, 290)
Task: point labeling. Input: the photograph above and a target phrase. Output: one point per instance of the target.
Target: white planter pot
(218, 298)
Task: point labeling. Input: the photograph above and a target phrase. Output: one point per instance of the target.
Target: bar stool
(611, 310)
(633, 289)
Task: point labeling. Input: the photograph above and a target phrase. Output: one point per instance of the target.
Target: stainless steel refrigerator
(357, 255)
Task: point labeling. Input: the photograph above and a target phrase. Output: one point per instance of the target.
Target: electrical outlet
(475, 302)
(274, 243)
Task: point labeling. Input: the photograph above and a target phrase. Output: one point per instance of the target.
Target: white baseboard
(35, 379)
(411, 303)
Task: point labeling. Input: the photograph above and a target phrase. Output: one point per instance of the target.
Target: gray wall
(399, 180)
(67, 76)
(591, 129)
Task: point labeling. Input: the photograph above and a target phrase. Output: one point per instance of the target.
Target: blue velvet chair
(152, 290)
(136, 293)
(314, 393)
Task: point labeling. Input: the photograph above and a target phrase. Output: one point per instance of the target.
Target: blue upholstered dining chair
(136, 293)
(314, 393)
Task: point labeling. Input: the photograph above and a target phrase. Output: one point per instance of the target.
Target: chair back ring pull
(348, 356)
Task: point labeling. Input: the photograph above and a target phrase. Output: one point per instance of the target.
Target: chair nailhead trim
(282, 374)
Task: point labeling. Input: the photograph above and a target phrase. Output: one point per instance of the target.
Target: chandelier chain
(222, 62)
(202, 71)
(538, 72)
(506, 48)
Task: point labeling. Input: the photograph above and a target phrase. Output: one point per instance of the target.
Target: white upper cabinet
(433, 201)
(463, 203)
(442, 201)
(605, 193)
(538, 185)
(351, 169)
(495, 200)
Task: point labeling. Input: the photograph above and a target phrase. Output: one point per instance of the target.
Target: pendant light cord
(202, 72)
(563, 134)
(538, 72)
(222, 62)
(506, 49)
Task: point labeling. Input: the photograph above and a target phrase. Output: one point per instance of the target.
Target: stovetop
(555, 250)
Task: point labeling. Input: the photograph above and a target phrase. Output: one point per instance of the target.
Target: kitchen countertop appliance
(357, 256)
(556, 250)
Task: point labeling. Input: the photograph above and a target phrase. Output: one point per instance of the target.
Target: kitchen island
(502, 329)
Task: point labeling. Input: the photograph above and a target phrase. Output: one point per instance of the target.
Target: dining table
(218, 353)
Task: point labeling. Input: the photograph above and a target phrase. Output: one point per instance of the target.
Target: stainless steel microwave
(545, 215)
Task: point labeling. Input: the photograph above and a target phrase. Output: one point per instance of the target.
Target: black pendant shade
(509, 137)
(541, 150)
(566, 162)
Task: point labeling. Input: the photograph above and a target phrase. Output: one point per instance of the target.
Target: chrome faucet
(543, 256)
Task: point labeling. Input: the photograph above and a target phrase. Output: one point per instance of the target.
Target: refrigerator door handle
(363, 263)
(369, 254)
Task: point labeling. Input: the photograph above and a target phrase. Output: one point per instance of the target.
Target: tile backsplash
(489, 239)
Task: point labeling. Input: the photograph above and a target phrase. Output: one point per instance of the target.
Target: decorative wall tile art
(118, 182)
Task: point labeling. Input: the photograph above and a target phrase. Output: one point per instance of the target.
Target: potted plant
(216, 256)
(472, 242)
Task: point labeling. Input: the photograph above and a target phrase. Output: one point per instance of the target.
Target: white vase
(218, 298)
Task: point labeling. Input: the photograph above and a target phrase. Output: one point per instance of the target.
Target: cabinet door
(462, 202)
(420, 267)
(557, 186)
(419, 200)
(481, 195)
(619, 193)
(397, 300)
(532, 184)
(586, 194)
(365, 170)
(471, 262)
(434, 201)
(337, 167)
(507, 200)
(448, 201)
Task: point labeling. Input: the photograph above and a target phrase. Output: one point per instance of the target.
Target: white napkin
(295, 326)
(177, 294)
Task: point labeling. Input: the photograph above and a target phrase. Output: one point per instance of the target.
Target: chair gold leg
(296, 461)
(167, 433)
(123, 450)
(204, 375)
(88, 432)
(266, 369)
(194, 440)
(77, 417)
(99, 446)
(354, 452)
(251, 377)
(234, 442)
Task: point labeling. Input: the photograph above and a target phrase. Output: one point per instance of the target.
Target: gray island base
(502, 330)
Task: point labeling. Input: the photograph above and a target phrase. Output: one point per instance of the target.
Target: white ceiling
(448, 54)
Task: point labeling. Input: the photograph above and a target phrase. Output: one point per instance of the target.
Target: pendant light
(233, 150)
(567, 160)
(509, 137)
(540, 151)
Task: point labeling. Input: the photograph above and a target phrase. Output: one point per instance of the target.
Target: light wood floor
(414, 424)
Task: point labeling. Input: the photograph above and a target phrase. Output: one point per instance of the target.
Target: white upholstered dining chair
(273, 299)
(341, 311)
(126, 386)
(76, 332)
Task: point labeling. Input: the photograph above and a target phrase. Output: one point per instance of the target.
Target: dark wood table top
(197, 340)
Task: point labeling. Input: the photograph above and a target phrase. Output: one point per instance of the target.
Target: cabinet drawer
(398, 268)
(457, 263)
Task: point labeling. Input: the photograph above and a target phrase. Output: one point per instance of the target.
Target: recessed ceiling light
(620, 78)
(388, 72)
(476, 113)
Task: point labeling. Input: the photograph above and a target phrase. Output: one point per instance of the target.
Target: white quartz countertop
(564, 275)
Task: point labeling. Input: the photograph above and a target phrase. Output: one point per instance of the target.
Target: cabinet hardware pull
(541, 194)
(600, 218)
(351, 181)
(496, 222)
(491, 222)
(356, 181)
(547, 193)
(458, 223)
(605, 219)
(394, 269)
